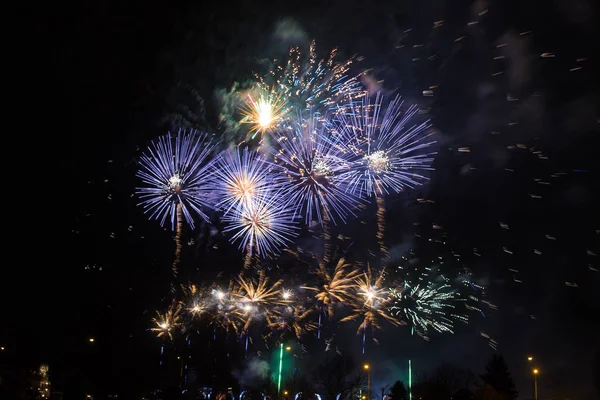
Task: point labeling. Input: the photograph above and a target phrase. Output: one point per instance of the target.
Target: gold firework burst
(167, 324)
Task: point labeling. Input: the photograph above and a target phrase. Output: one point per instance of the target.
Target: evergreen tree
(398, 391)
(498, 378)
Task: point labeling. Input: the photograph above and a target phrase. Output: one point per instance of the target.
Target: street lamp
(529, 358)
(535, 390)
(367, 368)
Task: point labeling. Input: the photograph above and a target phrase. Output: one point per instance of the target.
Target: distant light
(530, 358)
(92, 340)
(285, 392)
(288, 348)
(1, 348)
(535, 371)
(366, 366)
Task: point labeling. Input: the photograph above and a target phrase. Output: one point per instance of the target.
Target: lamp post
(535, 389)
(367, 368)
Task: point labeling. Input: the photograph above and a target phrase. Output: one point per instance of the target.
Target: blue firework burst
(262, 226)
(240, 177)
(173, 170)
(391, 151)
(311, 165)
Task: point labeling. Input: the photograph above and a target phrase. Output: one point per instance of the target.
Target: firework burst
(335, 286)
(263, 110)
(241, 177)
(197, 302)
(173, 171)
(262, 226)
(296, 319)
(312, 165)
(370, 303)
(167, 324)
(257, 299)
(307, 85)
(430, 302)
(391, 151)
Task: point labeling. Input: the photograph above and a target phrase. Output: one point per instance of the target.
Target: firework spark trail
(312, 165)
(326, 238)
(381, 226)
(390, 154)
(177, 259)
(262, 226)
(369, 303)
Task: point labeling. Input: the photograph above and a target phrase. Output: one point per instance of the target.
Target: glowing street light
(367, 368)
(92, 340)
(535, 389)
(530, 358)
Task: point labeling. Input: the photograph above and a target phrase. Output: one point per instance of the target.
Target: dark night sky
(118, 64)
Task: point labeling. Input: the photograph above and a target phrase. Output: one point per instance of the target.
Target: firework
(430, 302)
(224, 310)
(306, 85)
(335, 286)
(197, 301)
(370, 303)
(174, 175)
(241, 178)
(264, 111)
(173, 170)
(391, 151)
(257, 298)
(295, 319)
(166, 324)
(312, 165)
(262, 226)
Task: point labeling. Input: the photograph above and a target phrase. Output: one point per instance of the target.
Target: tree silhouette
(338, 374)
(398, 391)
(463, 394)
(498, 378)
(453, 378)
(431, 389)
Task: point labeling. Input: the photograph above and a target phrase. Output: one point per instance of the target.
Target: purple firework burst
(312, 164)
(174, 171)
(391, 151)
